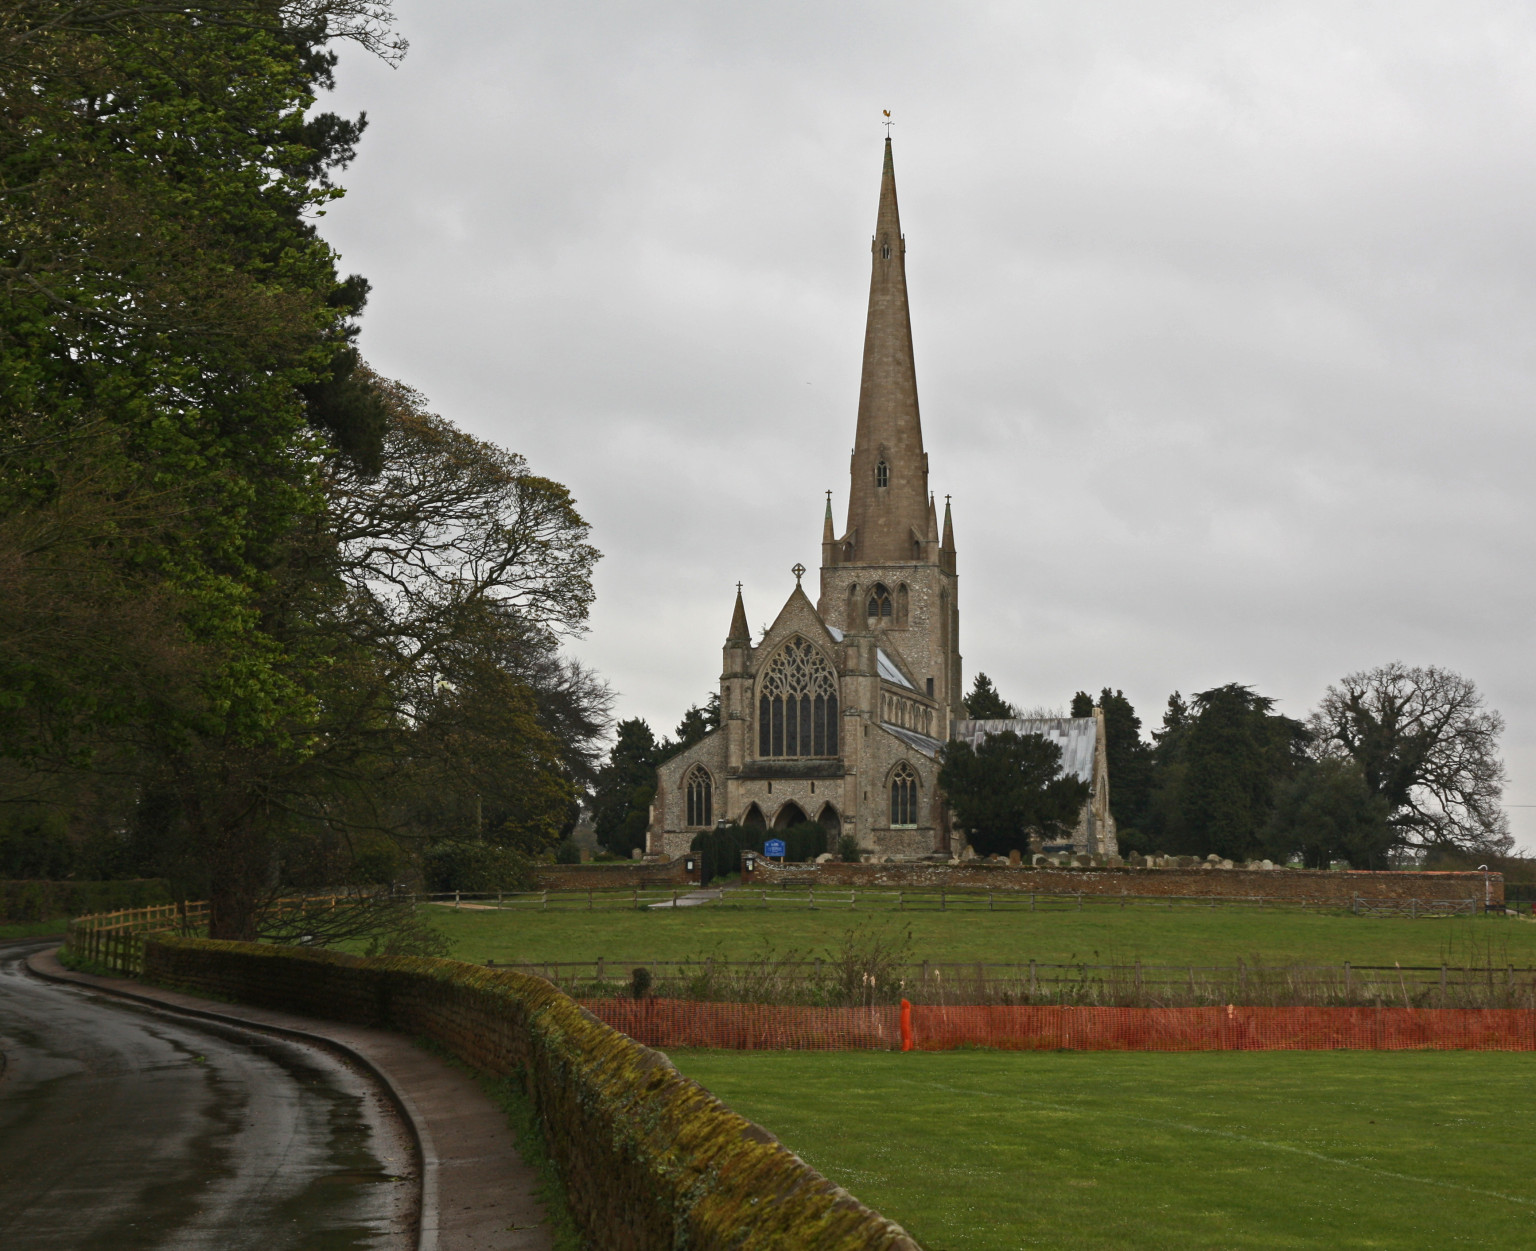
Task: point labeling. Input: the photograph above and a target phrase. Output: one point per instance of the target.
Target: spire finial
(798, 571)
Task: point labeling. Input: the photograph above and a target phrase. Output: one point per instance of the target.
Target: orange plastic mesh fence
(667, 1023)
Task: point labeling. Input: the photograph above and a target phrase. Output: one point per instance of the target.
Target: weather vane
(888, 123)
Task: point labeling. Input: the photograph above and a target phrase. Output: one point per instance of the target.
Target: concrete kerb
(45, 964)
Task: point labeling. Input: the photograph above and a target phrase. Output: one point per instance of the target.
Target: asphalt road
(126, 1128)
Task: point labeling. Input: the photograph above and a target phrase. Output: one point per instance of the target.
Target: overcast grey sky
(1225, 317)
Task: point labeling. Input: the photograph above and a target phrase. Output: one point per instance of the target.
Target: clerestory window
(797, 703)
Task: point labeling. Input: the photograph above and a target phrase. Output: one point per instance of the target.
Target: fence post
(941, 899)
(901, 901)
(589, 899)
(989, 899)
(1079, 901)
(455, 899)
(1032, 983)
(544, 902)
(1349, 980)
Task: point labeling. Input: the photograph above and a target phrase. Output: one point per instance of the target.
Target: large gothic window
(701, 797)
(797, 703)
(903, 795)
(879, 606)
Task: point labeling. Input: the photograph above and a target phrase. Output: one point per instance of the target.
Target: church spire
(888, 505)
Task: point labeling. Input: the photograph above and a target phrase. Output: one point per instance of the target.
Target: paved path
(462, 1187)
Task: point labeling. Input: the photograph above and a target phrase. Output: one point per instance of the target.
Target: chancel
(838, 713)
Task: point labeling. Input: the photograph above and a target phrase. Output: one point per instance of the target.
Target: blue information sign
(774, 847)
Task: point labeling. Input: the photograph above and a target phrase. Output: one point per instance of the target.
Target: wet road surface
(125, 1128)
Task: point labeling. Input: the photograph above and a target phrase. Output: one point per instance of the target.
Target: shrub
(568, 852)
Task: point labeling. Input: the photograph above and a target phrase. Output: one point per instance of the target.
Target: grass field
(1155, 936)
(990, 1151)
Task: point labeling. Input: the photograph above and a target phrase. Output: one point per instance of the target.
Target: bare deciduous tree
(1428, 745)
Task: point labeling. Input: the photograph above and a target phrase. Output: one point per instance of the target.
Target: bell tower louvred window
(797, 703)
(879, 608)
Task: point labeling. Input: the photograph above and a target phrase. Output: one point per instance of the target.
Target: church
(838, 713)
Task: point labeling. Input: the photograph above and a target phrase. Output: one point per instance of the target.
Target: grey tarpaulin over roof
(884, 663)
(1076, 736)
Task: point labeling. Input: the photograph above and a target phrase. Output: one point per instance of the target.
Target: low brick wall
(616, 876)
(1336, 887)
(651, 1161)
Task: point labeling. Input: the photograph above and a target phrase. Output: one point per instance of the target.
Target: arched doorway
(754, 818)
(790, 814)
(833, 824)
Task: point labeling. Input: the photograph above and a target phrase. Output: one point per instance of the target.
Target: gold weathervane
(888, 123)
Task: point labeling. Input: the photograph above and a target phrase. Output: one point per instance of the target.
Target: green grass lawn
(33, 929)
(992, 1151)
(1155, 936)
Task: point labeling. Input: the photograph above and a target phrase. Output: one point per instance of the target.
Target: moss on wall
(650, 1159)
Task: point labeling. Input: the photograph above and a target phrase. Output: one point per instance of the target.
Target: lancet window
(797, 703)
(701, 797)
(904, 795)
(879, 606)
(882, 474)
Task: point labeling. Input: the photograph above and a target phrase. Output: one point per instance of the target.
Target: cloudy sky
(1225, 317)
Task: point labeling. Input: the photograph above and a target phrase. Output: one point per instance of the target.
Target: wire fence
(670, 1023)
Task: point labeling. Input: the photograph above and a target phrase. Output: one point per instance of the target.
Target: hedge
(650, 1159)
(40, 900)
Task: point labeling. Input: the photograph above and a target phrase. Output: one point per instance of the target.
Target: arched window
(797, 703)
(904, 795)
(701, 797)
(879, 606)
(885, 251)
(882, 474)
(901, 604)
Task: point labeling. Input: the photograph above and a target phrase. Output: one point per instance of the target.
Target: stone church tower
(838, 713)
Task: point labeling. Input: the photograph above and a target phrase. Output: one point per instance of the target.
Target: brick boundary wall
(651, 1160)
(1319, 886)
(611, 876)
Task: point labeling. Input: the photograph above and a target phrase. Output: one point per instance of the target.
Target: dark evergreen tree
(697, 723)
(626, 785)
(1235, 752)
(1082, 705)
(985, 704)
(1326, 810)
(1007, 788)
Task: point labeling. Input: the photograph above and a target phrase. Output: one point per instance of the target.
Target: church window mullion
(778, 726)
(792, 727)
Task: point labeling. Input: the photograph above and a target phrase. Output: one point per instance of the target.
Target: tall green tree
(1224, 761)
(985, 704)
(1325, 811)
(1009, 786)
(626, 785)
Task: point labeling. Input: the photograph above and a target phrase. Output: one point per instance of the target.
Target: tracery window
(701, 797)
(879, 606)
(904, 795)
(882, 474)
(797, 703)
